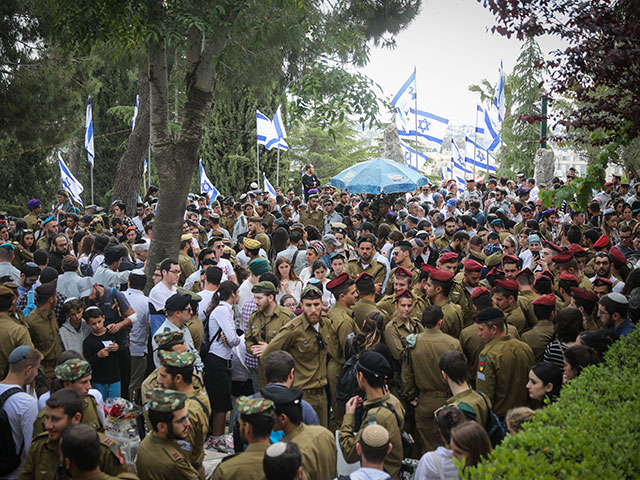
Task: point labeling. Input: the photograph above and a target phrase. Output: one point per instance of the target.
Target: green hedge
(591, 432)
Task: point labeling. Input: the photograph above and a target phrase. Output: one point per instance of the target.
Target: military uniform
(45, 335)
(265, 241)
(196, 329)
(160, 459)
(318, 448)
(442, 242)
(151, 382)
(13, 335)
(90, 416)
(31, 220)
(199, 410)
(460, 295)
(472, 405)
(187, 267)
(392, 276)
(362, 309)
(315, 218)
(421, 378)
(227, 222)
(503, 371)
(387, 306)
(395, 335)
(420, 301)
(43, 459)
(382, 416)
(452, 321)
(538, 338)
(377, 270)
(524, 302)
(308, 348)
(243, 466)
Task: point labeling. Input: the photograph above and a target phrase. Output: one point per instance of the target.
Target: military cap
(132, 228)
(584, 294)
(375, 435)
(178, 360)
(112, 254)
(524, 271)
(576, 249)
(165, 400)
(509, 285)
(338, 225)
(258, 266)
(562, 257)
(493, 260)
(441, 275)
(507, 258)
(425, 267)
(363, 277)
(47, 220)
(264, 287)
(298, 226)
(19, 353)
(251, 243)
(46, 289)
(553, 246)
(404, 293)
(327, 200)
(254, 406)
(567, 277)
(282, 396)
(548, 300)
(168, 339)
(72, 370)
(602, 242)
(312, 191)
(6, 291)
(310, 292)
(11, 285)
(330, 239)
(374, 363)
(602, 281)
(490, 314)
(403, 272)
(472, 266)
(548, 211)
(546, 273)
(617, 256)
(617, 298)
(479, 292)
(526, 208)
(193, 296)
(338, 281)
(177, 302)
(521, 192)
(8, 246)
(449, 257)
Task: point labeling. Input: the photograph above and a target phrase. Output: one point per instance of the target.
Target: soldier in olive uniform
(43, 328)
(366, 298)
(265, 323)
(75, 374)
(64, 408)
(505, 297)
(503, 364)
(461, 290)
(402, 256)
(187, 267)
(541, 334)
(176, 373)
(312, 215)
(13, 334)
(438, 288)
(342, 328)
(305, 338)
(401, 281)
(317, 444)
(159, 454)
(421, 376)
(378, 406)
(526, 295)
(366, 263)
(401, 326)
(586, 302)
(255, 421)
(194, 325)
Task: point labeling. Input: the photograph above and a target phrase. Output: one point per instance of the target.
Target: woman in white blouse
(223, 335)
(289, 282)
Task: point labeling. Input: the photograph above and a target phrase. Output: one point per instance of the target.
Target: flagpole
(475, 143)
(278, 167)
(92, 202)
(258, 161)
(416, 114)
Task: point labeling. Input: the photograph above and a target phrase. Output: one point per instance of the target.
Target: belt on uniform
(314, 391)
(434, 394)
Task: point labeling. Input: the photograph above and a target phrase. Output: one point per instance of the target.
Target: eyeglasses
(320, 341)
(177, 272)
(156, 275)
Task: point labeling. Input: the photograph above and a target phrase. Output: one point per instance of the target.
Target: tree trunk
(131, 166)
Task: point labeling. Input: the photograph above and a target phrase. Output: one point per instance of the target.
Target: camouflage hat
(178, 360)
(168, 339)
(194, 296)
(254, 406)
(310, 293)
(264, 287)
(72, 370)
(164, 400)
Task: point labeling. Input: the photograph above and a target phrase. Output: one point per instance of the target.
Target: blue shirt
(625, 328)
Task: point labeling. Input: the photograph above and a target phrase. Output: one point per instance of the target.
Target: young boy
(98, 349)
(74, 330)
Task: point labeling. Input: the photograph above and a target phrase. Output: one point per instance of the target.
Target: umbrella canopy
(378, 176)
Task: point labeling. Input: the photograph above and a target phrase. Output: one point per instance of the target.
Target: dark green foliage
(591, 432)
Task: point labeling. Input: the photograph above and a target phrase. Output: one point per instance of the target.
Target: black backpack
(9, 459)
(494, 427)
(347, 385)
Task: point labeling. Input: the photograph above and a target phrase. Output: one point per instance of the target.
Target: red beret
(548, 300)
(495, 271)
(568, 277)
(441, 275)
(404, 293)
(472, 266)
(584, 294)
(479, 292)
(363, 275)
(510, 285)
(602, 242)
(602, 281)
(336, 282)
(608, 184)
(617, 256)
(510, 259)
(576, 249)
(552, 246)
(524, 271)
(449, 257)
(547, 273)
(562, 257)
(425, 267)
(403, 272)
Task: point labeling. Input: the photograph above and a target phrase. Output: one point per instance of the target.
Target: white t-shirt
(159, 294)
(22, 410)
(206, 296)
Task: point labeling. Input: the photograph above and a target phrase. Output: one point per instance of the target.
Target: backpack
(31, 303)
(347, 385)
(494, 427)
(86, 269)
(9, 459)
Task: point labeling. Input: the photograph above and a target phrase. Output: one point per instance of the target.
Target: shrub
(592, 431)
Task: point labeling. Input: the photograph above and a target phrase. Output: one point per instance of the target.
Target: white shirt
(196, 277)
(244, 295)
(527, 257)
(97, 260)
(206, 296)
(159, 294)
(428, 466)
(22, 410)
(227, 268)
(222, 318)
(243, 259)
(108, 278)
(168, 326)
(139, 335)
(383, 260)
(369, 474)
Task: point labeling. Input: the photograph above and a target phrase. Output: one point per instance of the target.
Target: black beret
(112, 254)
(282, 396)
(177, 302)
(490, 314)
(374, 363)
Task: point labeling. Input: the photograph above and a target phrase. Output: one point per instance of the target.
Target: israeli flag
(479, 113)
(491, 126)
(69, 182)
(430, 127)
(135, 114)
(459, 169)
(404, 100)
(267, 185)
(88, 134)
(483, 159)
(206, 186)
(499, 100)
(267, 135)
(410, 154)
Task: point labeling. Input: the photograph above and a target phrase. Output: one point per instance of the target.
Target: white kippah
(276, 449)
(618, 298)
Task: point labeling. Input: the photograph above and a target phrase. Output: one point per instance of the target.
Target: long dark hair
(549, 373)
(225, 290)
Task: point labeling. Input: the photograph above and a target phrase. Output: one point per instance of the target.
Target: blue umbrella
(380, 175)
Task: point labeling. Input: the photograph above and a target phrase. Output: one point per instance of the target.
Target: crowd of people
(401, 332)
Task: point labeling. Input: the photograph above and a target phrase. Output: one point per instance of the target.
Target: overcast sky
(451, 47)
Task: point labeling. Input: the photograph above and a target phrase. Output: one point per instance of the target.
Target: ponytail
(225, 290)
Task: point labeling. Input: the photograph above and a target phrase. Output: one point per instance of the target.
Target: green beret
(194, 296)
(251, 243)
(493, 260)
(168, 339)
(72, 370)
(258, 266)
(311, 292)
(254, 406)
(164, 400)
(264, 287)
(178, 360)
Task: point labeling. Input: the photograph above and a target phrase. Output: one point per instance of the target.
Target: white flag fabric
(499, 100)
(458, 167)
(88, 134)
(490, 125)
(135, 114)
(267, 186)
(430, 127)
(484, 162)
(267, 135)
(404, 100)
(206, 186)
(69, 182)
(278, 125)
(410, 155)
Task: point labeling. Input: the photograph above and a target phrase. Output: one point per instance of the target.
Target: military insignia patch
(175, 455)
